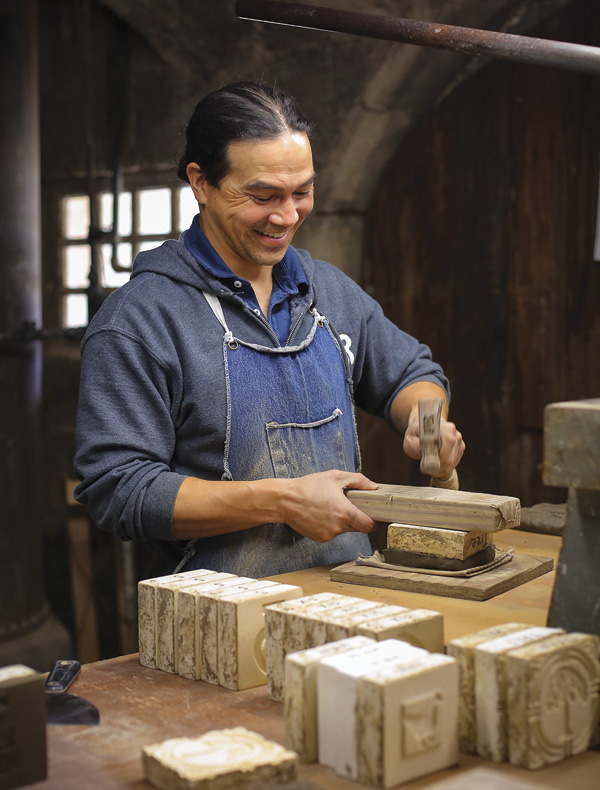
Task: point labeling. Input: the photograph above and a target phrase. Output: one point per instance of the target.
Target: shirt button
(238, 283)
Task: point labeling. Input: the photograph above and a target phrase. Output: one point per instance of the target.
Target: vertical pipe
(24, 614)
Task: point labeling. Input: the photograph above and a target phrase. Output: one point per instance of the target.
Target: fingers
(452, 448)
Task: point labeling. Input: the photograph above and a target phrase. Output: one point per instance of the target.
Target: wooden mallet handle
(430, 415)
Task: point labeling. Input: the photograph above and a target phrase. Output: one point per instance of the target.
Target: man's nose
(285, 213)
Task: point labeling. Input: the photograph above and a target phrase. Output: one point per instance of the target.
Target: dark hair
(241, 111)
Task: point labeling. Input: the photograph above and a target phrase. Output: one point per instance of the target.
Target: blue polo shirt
(288, 279)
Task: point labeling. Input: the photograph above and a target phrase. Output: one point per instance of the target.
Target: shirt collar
(288, 273)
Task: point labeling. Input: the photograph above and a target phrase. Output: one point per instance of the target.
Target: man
(218, 386)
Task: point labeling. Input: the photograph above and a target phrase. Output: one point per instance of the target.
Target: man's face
(251, 217)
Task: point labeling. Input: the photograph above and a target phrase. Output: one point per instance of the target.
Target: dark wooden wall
(480, 241)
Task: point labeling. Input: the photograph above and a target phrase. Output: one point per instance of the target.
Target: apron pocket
(299, 449)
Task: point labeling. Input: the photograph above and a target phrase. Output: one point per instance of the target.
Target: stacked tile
(320, 619)
(553, 703)
(490, 689)
(529, 695)
(183, 618)
(463, 650)
(375, 699)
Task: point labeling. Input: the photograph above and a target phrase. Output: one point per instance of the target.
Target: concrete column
(28, 632)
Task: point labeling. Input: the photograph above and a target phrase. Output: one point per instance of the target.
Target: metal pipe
(469, 41)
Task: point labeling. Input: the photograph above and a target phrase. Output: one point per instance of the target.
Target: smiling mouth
(275, 236)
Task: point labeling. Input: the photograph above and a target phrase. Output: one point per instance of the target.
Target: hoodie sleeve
(125, 437)
(390, 360)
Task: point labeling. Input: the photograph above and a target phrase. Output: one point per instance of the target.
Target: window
(146, 218)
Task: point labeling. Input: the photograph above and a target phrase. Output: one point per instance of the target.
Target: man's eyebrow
(266, 185)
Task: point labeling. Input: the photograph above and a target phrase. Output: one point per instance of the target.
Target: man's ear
(198, 182)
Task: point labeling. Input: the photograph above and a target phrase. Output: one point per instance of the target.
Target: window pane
(76, 266)
(110, 278)
(76, 217)
(106, 212)
(75, 310)
(188, 208)
(154, 211)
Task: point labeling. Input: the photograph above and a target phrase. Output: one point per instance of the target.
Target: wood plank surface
(426, 506)
(140, 706)
(523, 568)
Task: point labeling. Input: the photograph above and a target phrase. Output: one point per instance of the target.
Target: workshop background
(462, 193)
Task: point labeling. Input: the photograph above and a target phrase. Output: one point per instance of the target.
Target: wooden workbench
(139, 706)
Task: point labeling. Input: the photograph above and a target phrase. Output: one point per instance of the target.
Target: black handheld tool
(63, 708)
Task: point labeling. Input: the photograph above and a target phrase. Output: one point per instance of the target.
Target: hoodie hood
(173, 260)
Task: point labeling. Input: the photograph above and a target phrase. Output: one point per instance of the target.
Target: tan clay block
(463, 650)
(199, 605)
(552, 699)
(300, 706)
(407, 721)
(167, 617)
(490, 689)
(22, 726)
(343, 622)
(147, 612)
(197, 638)
(419, 627)
(449, 543)
(219, 760)
(337, 678)
(285, 633)
(241, 634)
(309, 622)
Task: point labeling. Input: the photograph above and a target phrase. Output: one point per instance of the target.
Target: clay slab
(449, 543)
(218, 760)
(300, 706)
(407, 721)
(336, 693)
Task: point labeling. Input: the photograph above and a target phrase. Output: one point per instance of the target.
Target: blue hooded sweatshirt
(153, 401)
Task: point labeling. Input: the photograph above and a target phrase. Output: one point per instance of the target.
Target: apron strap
(217, 308)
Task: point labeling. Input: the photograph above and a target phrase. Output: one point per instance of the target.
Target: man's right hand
(317, 507)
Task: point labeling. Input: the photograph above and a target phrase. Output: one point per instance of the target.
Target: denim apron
(290, 412)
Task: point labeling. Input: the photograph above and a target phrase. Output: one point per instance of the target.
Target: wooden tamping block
(300, 705)
(22, 726)
(491, 689)
(407, 720)
(241, 634)
(436, 507)
(337, 697)
(197, 632)
(463, 650)
(218, 760)
(552, 699)
(147, 611)
(419, 627)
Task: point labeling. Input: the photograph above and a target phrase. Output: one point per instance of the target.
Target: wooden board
(426, 506)
(522, 569)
